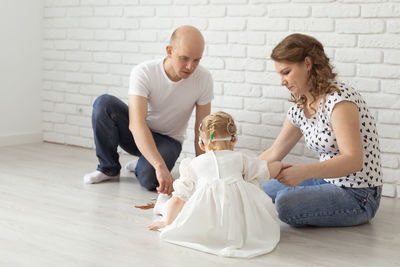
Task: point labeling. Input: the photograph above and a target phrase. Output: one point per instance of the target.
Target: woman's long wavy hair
(294, 49)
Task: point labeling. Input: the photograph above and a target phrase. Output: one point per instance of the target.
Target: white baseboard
(19, 139)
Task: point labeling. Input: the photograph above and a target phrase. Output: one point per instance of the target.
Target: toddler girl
(218, 205)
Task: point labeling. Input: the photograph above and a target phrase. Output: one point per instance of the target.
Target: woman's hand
(157, 225)
(291, 175)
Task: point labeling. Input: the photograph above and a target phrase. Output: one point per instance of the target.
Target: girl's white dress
(226, 212)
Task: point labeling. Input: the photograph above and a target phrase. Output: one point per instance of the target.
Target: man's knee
(102, 103)
(150, 183)
(169, 151)
(147, 177)
(102, 100)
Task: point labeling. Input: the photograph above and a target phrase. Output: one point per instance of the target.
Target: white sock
(97, 177)
(131, 165)
(160, 208)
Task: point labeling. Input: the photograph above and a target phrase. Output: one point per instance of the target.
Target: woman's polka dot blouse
(320, 138)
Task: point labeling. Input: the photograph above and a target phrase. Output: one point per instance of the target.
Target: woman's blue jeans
(110, 122)
(319, 203)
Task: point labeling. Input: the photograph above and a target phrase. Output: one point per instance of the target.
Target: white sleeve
(185, 186)
(255, 169)
(139, 82)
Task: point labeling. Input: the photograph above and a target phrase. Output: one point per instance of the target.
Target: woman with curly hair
(344, 187)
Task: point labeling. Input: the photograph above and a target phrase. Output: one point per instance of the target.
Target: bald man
(162, 96)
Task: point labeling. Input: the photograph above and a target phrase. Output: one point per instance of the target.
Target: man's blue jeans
(319, 203)
(110, 122)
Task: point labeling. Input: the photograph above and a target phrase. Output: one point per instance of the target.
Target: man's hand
(165, 181)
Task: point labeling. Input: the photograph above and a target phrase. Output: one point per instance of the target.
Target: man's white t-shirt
(170, 104)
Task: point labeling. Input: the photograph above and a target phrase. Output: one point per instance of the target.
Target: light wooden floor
(48, 217)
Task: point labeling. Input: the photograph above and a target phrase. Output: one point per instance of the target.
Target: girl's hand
(286, 165)
(157, 225)
(291, 175)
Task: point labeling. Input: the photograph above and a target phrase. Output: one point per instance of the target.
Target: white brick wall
(90, 46)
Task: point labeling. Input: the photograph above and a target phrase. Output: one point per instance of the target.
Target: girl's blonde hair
(294, 49)
(217, 125)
